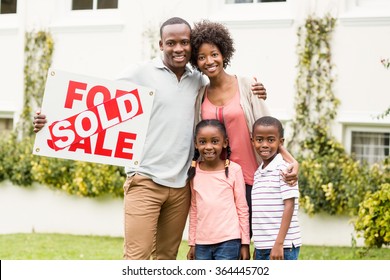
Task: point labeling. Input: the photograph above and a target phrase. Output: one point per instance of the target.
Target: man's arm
(259, 89)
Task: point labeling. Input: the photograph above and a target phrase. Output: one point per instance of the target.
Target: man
(156, 195)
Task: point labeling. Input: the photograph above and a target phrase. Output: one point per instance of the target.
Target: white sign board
(92, 119)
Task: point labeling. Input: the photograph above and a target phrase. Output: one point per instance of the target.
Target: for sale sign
(92, 119)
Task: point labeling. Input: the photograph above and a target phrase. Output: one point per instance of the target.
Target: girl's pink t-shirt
(219, 211)
(232, 116)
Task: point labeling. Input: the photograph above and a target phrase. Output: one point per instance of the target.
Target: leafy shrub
(22, 168)
(53, 172)
(16, 158)
(333, 182)
(93, 179)
(79, 178)
(373, 220)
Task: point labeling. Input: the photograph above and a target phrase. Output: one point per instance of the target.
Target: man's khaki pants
(155, 217)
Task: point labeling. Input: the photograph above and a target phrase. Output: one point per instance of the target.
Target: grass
(38, 246)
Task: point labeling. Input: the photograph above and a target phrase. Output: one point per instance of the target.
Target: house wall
(102, 43)
(42, 210)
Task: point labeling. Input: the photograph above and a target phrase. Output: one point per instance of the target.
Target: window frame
(366, 12)
(16, 9)
(7, 113)
(10, 23)
(256, 14)
(361, 128)
(253, 1)
(68, 20)
(11, 119)
(94, 6)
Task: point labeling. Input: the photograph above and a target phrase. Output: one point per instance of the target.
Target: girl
(219, 215)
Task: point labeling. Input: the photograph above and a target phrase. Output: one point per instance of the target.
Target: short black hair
(171, 21)
(212, 33)
(269, 121)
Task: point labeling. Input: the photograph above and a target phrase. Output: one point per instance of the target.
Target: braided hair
(215, 123)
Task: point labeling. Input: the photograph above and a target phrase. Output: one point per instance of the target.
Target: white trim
(277, 14)
(7, 115)
(9, 24)
(364, 20)
(74, 26)
(101, 20)
(362, 118)
(7, 108)
(364, 12)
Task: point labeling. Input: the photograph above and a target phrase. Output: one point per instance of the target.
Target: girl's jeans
(228, 250)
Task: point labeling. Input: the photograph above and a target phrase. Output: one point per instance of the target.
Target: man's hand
(39, 121)
(259, 90)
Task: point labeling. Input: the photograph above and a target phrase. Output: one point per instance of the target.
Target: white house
(101, 37)
(101, 42)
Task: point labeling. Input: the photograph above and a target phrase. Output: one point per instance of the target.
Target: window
(8, 7)
(251, 1)
(94, 4)
(255, 13)
(370, 146)
(6, 125)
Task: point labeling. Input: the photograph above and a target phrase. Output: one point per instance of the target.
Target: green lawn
(36, 246)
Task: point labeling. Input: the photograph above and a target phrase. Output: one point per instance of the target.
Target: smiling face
(210, 142)
(210, 60)
(175, 44)
(266, 140)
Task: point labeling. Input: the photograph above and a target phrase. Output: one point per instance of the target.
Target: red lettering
(95, 119)
(123, 144)
(50, 144)
(120, 92)
(92, 95)
(129, 105)
(100, 150)
(84, 144)
(72, 94)
(108, 114)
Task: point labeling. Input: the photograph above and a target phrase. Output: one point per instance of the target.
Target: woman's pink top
(232, 116)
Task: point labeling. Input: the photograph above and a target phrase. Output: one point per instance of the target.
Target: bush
(23, 168)
(16, 157)
(335, 183)
(79, 178)
(373, 220)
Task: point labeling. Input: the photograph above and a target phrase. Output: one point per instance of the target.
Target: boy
(276, 232)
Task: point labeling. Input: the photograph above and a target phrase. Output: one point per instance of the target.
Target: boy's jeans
(289, 253)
